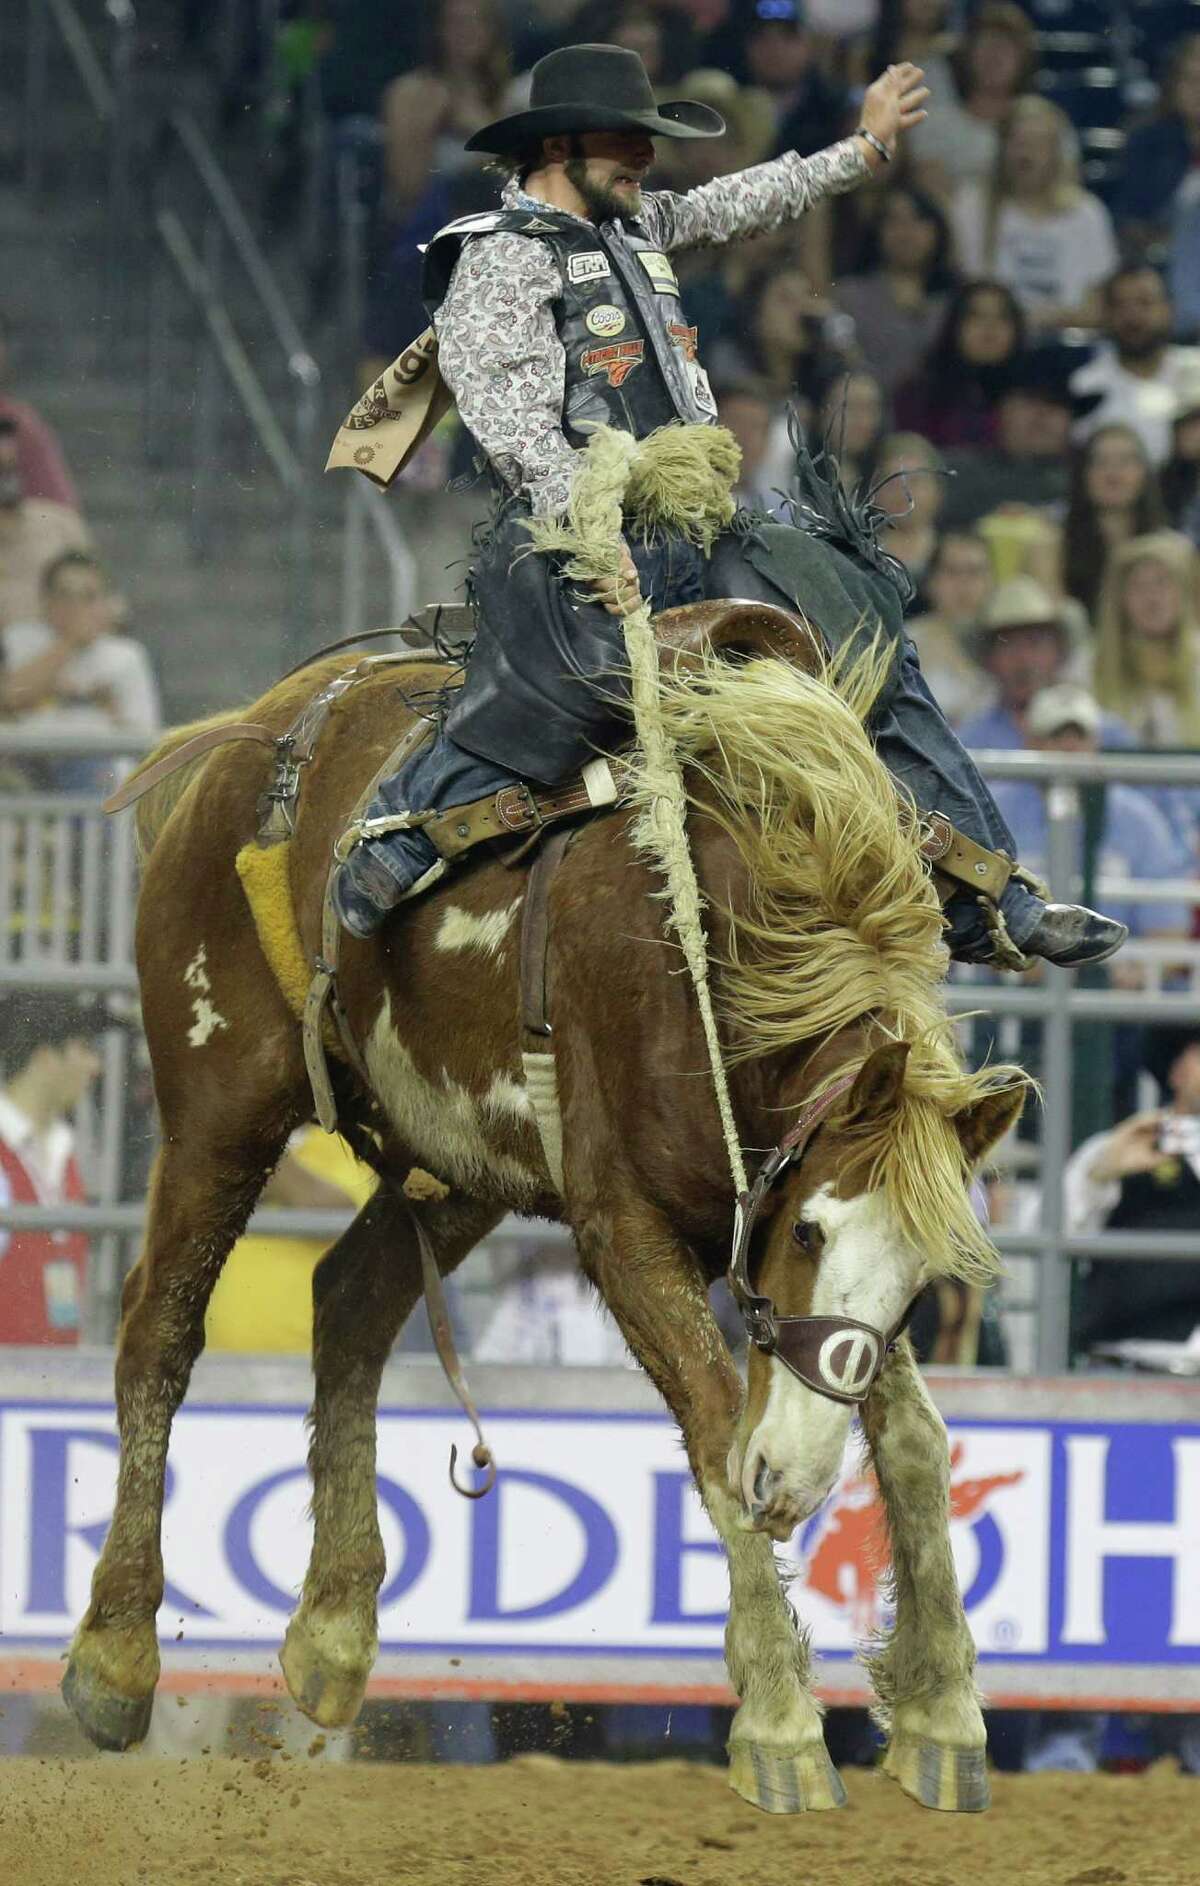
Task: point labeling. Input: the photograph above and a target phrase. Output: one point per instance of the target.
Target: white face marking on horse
(205, 1018)
(867, 1271)
(462, 930)
(457, 1134)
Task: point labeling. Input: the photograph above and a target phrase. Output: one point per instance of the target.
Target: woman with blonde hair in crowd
(1033, 226)
(1147, 659)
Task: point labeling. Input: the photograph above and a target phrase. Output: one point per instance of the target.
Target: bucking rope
(681, 476)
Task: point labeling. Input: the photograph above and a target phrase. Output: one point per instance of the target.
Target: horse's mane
(841, 921)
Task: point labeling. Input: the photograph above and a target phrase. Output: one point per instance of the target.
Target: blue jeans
(911, 734)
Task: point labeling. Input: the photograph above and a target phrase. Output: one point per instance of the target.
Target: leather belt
(953, 855)
(516, 809)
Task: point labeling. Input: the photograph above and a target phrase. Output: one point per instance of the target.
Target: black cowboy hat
(595, 88)
(1046, 370)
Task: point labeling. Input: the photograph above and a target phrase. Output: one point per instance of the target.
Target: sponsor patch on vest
(658, 267)
(684, 337)
(606, 319)
(616, 363)
(588, 265)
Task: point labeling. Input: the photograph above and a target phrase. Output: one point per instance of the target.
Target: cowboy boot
(1067, 934)
(374, 877)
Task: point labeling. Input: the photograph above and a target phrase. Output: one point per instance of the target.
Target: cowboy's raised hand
(894, 103)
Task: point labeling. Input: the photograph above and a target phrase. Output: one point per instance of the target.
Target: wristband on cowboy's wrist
(877, 144)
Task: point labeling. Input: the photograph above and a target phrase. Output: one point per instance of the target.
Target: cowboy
(559, 313)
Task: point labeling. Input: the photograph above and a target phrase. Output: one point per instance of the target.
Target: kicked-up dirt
(539, 1821)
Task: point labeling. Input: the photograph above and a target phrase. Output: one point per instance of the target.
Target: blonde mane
(842, 921)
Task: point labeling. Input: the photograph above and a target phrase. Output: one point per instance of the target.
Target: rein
(835, 1356)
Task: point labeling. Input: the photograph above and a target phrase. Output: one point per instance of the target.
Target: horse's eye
(805, 1233)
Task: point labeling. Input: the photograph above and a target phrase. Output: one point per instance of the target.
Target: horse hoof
(785, 1782)
(952, 1779)
(327, 1688)
(108, 1719)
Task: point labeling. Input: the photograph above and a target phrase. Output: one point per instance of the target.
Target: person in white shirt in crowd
(1142, 1175)
(66, 669)
(960, 583)
(1138, 371)
(1033, 226)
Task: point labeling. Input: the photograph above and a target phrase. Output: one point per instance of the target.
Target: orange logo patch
(616, 362)
(684, 337)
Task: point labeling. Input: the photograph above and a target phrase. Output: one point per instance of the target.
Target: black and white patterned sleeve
(752, 201)
(501, 357)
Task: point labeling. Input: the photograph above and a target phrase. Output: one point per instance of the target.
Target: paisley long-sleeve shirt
(498, 346)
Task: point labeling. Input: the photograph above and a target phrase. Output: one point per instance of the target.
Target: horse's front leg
(363, 1292)
(200, 1200)
(654, 1288)
(924, 1673)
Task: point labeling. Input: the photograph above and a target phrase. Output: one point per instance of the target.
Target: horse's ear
(880, 1078)
(985, 1122)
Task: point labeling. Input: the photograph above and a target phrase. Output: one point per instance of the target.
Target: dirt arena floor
(539, 1821)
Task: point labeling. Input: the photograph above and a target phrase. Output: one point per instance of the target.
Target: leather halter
(836, 1356)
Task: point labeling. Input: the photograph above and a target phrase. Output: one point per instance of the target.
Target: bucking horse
(521, 1039)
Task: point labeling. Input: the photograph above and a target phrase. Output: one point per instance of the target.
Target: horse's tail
(156, 805)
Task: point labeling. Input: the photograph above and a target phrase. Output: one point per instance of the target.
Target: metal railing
(198, 264)
(1058, 1002)
(67, 894)
(107, 79)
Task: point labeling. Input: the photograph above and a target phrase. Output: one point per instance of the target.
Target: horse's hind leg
(652, 1285)
(363, 1291)
(200, 1201)
(924, 1674)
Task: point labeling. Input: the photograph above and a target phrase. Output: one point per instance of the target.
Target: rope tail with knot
(681, 476)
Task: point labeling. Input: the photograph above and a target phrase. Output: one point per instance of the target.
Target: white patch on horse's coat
(206, 1020)
(448, 1128)
(866, 1271)
(196, 975)
(462, 930)
(206, 1023)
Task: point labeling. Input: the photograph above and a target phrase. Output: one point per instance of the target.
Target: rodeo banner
(1073, 1536)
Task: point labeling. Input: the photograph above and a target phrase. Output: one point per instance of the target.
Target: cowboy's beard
(603, 202)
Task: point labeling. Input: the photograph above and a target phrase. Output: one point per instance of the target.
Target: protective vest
(42, 1273)
(631, 356)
